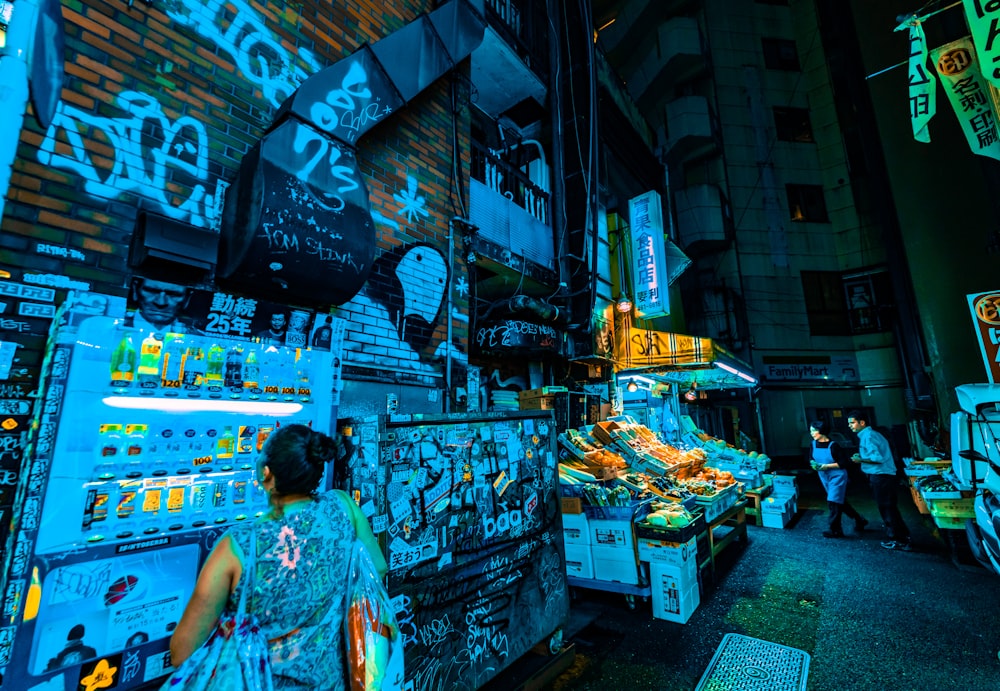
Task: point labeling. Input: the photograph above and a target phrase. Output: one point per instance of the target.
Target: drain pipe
(14, 87)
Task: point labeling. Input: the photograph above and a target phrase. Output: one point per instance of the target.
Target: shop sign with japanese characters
(648, 256)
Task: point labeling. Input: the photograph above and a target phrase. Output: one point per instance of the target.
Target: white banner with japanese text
(923, 86)
(648, 261)
(983, 18)
(970, 95)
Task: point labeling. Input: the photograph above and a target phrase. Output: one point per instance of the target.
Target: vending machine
(142, 454)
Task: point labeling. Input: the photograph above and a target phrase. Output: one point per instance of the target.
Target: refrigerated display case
(140, 458)
(467, 510)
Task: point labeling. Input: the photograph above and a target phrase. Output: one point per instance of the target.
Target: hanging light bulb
(624, 304)
(632, 386)
(691, 394)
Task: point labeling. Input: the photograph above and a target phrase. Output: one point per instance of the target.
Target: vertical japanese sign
(923, 86)
(983, 17)
(648, 256)
(969, 94)
(986, 317)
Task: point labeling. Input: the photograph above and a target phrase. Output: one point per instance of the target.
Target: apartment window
(806, 204)
(792, 125)
(780, 54)
(870, 301)
(826, 306)
(844, 304)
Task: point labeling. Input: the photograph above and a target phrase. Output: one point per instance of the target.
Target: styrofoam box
(579, 561)
(576, 529)
(674, 597)
(609, 565)
(776, 514)
(784, 484)
(683, 554)
(613, 533)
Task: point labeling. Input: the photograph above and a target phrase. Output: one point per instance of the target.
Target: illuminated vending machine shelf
(145, 454)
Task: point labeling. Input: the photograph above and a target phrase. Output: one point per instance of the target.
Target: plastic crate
(671, 534)
(617, 513)
(950, 522)
(952, 508)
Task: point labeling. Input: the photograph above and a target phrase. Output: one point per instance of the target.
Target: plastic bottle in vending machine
(234, 367)
(149, 361)
(215, 364)
(251, 369)
(195, 367)
(123, 362)
(303, 373)
(109, 450)
(135, 446)
(225, 446)
(174, 355)
(270, 372)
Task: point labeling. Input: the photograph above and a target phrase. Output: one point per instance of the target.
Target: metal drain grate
(749, 664)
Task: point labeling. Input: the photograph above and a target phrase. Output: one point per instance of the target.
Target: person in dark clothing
(831, 461)
(875, 457)
(75, 652)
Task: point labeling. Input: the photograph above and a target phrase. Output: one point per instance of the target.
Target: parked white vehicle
(975, 447)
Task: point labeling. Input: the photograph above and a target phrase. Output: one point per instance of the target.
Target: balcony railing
(509, 181)
(523, 25)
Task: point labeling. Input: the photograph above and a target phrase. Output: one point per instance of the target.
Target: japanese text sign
(648, 256)
(986, 317)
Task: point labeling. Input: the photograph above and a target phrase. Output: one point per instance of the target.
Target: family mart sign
(820, 368)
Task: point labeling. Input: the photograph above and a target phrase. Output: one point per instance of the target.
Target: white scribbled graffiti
(138, 163)
(436, 632)
(257, 52)
(349, 108)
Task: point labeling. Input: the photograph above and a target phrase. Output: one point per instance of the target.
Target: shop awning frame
(681, 360)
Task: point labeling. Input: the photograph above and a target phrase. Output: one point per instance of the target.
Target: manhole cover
(749, 664)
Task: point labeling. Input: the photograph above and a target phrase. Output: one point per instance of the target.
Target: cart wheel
(630, 601)
(556, 642)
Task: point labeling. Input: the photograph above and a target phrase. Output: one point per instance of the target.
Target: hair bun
(320, 448)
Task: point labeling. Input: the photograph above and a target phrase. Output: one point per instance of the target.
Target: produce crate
(952, 508)
(718, 503)
(617, 513)
(918, 501)
(671, 534)
(950, 522)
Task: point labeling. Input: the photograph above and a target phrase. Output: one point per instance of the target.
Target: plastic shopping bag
(374, 644)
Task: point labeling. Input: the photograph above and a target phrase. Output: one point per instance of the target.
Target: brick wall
(160, 102)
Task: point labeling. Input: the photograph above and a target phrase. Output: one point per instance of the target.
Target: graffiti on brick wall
(147, 151)
(257, 52)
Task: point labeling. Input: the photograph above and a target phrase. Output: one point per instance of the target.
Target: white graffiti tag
(138, 163)
(257, 52)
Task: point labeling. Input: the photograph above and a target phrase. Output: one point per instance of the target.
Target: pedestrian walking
(830, 460)
(877, 463)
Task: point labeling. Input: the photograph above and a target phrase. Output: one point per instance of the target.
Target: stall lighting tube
(733, 370)
(184, 405)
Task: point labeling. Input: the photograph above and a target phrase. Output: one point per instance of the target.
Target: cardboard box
(784, 484)
(674, 597)
(576, 529)
(681, 554)
(615, 534)
(776, 511)
(579, 561)
(615, 564)
(571, 505)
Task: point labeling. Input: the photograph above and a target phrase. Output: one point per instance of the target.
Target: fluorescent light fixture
(733, 370)
(190, 405)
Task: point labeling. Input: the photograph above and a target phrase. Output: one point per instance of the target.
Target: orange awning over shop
(680, 359)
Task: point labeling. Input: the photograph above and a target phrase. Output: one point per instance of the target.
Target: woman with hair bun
(830, 460)
(303, 548)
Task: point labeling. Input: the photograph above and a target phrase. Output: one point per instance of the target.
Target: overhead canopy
(680, 359)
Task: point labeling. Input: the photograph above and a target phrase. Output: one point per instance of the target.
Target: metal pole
(14, 62)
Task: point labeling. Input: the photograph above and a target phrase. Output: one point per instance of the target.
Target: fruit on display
(668, 514)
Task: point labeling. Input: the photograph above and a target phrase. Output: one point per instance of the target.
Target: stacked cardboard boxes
(778, 509)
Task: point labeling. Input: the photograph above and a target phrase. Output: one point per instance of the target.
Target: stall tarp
(680, 359)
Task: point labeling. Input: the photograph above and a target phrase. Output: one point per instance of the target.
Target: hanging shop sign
(518, 336)
(923, 86)
(648, 256)
(986, 317)
(969, 94)
(983, 17)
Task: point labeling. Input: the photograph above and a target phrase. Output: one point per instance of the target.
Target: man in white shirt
(875, 457)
